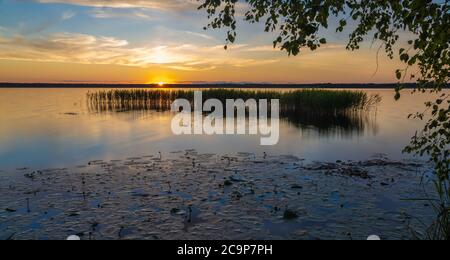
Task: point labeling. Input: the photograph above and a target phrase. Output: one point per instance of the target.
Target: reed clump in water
(306, 100)
(329, 111)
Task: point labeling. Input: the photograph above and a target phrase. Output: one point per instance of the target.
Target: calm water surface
(55, 128)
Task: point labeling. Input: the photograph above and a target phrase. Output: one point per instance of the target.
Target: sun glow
(161, 81)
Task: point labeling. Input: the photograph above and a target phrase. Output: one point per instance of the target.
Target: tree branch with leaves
(298, 24)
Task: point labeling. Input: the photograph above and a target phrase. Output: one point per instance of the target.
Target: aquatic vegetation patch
(290, 214)
(342, 112)
(312, 100)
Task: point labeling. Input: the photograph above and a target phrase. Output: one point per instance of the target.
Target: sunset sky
(151, 41)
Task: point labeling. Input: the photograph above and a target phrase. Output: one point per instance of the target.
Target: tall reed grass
(329, 111)
(306, 100)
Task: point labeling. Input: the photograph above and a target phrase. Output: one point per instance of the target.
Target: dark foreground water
(186, 195)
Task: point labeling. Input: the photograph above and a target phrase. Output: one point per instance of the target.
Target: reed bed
(305, 100)
(341, 112)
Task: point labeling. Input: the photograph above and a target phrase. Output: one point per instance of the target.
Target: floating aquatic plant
(290, 214)
(227, 183)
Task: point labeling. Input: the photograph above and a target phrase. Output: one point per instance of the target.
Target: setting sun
(161, 80)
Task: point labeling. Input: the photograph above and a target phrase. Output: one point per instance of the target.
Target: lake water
(43, 128)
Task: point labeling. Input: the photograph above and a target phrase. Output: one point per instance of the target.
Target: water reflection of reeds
(342, 124)
(343, 112)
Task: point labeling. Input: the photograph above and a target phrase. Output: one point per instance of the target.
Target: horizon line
(205, 85)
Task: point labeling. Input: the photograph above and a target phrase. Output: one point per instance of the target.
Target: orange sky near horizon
(335, 66)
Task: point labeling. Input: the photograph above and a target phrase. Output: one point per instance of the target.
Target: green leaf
(398, 74)
(404, 57)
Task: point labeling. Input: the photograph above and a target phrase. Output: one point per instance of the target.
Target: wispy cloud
(89, 49)
(191, 68)
(148, 4)
(263, 48)
(67, 15)
(111, 13)
(39, 27)
(201, 35)
(232, 47)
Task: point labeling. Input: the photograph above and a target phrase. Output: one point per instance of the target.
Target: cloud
(111, 13)
(37, 27)
(67, 15)
(231, 47)
(89, 49)
(264, 48)
(147, 4)
(62, 47)
(190, 68)
(3, 40)
(201, 35)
